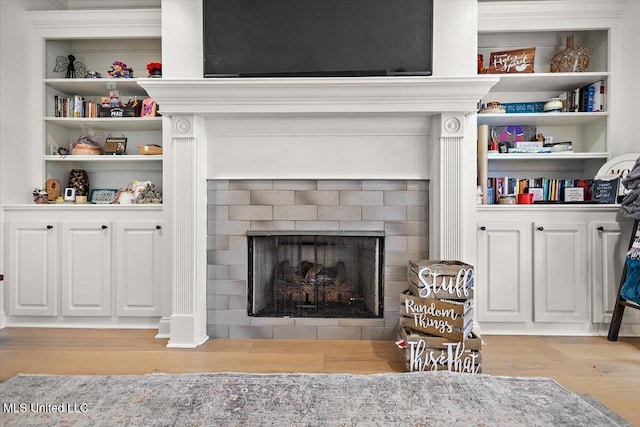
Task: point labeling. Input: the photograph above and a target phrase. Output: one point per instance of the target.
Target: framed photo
(149, 108)
(115, 145)
(574, 194)
(103, 196)
(538, 193)
(138, 187)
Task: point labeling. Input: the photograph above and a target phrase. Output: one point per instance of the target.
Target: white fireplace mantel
(449, 102)
(318, 95)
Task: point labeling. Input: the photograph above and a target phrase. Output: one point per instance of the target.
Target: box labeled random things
(435, 327)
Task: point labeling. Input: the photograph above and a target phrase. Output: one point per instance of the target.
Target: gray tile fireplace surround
(397, 207)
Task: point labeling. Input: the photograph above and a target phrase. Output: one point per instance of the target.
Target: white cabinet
(532, 272)
(504, 272)
(139, 269)
(560, 272)
(32, 274)
(106, 271)
(86, 268)
(551, 271)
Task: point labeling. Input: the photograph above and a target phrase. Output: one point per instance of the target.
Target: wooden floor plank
(608, 371)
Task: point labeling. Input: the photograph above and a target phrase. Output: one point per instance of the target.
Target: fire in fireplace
(315, 274)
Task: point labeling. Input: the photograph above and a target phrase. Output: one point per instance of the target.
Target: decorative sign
(605, 188)
(455, 358)
(434, 284)
(103, 196)
(512, 61)
(441, 279)
(450, 319)
(574, 194)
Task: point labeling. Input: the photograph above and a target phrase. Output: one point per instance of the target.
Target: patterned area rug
(229, 399)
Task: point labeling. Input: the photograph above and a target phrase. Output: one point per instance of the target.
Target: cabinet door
(32, 278)
(139, 269)
(86, 269)
(610, 242)
(560, 272)
(504, 272)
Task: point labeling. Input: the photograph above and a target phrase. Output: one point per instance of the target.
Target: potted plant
(154, 69)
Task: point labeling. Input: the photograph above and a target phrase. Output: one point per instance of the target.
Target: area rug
(233, 399)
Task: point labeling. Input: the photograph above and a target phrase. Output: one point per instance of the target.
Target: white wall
(627, 139)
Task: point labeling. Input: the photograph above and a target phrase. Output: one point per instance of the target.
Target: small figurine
(120, 69)
(70, 65)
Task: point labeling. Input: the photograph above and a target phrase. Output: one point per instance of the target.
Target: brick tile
(405, 198)
(339, 184)
(384, 213)
(398, 185)
(339, 333)
(229, 197)
(292, 184)
(315, 197)
(301, 212)
(295, 332)
(339, 213)
(273, 198)
(361, 197)
(252, 213)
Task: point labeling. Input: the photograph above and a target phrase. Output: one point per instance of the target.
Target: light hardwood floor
(608, 371)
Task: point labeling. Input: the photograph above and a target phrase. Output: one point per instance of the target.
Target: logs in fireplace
(315, 275)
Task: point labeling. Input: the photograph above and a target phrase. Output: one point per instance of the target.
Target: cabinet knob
(104, 227)
(158, 227)
(483, 228)
(49, 227)
(600, 228)
(540, 228)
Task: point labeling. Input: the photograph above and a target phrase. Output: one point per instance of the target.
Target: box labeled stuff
(441, 279)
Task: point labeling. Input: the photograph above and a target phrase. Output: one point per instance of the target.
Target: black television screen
(317, 37)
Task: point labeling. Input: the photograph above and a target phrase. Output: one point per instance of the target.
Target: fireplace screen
(315, 275)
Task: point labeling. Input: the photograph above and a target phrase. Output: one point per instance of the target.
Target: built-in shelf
(540, 119)
(97, 87)
(104, 158)
(544, 82)
(107, 123)
(570, 155)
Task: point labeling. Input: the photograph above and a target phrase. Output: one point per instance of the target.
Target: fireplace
(230, 138)
(315, 274)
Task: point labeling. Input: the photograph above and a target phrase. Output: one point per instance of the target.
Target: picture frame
(138, 187)
(574, 194)
(538, 193)
(102, 196)
(115, 145)
(149, 108)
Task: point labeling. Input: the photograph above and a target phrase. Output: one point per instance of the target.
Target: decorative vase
(571, 59)
(156, 73)
(79, 179)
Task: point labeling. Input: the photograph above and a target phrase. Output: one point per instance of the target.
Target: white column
(187, 161)
(451, 205)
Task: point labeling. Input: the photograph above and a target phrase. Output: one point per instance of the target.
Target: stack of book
(436, 318)
(543, 189)
(75, 106)
(587, 99)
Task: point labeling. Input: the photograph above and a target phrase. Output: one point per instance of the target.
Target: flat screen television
(317, 37)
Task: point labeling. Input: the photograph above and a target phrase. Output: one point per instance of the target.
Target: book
(598, 96)
(605, 188)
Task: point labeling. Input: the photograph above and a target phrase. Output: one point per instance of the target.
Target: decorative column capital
(182, 126)
(452, 125)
